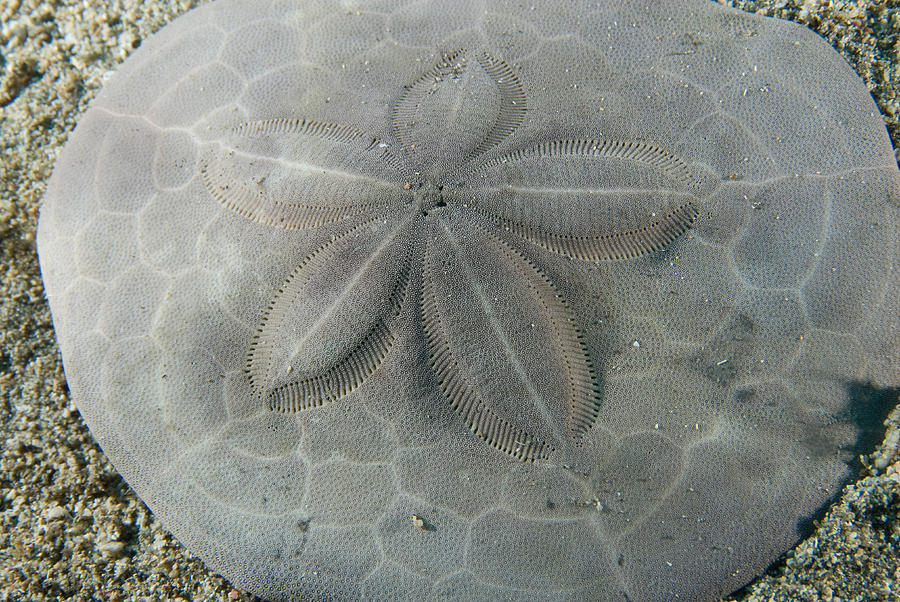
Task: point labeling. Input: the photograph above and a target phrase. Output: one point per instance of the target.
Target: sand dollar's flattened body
(476, 300)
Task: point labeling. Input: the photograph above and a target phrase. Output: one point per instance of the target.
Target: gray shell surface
(479, 300)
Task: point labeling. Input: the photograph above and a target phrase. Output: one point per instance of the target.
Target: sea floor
(70, 528)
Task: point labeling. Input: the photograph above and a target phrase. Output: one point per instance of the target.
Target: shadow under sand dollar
(594, 327)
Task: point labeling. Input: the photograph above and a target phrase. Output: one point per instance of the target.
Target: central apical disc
(429, 198)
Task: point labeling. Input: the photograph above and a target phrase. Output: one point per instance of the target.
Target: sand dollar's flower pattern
(440, 223)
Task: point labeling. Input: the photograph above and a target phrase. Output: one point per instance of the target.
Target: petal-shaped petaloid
(297, 173)
(503, 345)
(588, 199)
(466, 104)
(331, 323)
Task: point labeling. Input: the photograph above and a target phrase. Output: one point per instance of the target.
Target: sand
(70, 527)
